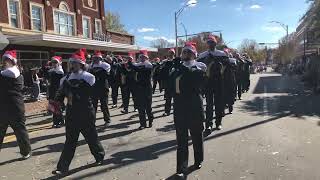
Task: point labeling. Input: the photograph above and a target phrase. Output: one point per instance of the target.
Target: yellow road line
(33, 130)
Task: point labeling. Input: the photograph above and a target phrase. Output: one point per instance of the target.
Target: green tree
(251, 47)
(113, 22)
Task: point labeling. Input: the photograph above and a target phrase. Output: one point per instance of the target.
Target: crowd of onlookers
(308, 68)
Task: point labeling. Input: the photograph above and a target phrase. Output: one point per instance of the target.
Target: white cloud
(240, 7)
(255, 6)
(142, 30)
(213, 0)
(192, 3)
(152, 38)
(272, 29)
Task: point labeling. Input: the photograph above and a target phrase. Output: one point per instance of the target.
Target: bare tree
(251, 47)
(161, 43)
(113, 22)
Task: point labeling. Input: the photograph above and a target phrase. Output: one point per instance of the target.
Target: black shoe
(150, 124)
(180, 176)
(197, 165)
(60, 172)
(114, 106)
(25, 157)
(166, 114)
(142, 127)
(98, 162)
(230, 109)
(124, 111)
(106, 124)
(219, 127)
(207, 131)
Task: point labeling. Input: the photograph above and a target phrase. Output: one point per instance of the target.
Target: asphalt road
(272, 135)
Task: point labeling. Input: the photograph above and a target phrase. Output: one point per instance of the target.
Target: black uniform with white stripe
(12, 110)
(80, 116)
(144, 91)
(186, 83)
(215, 61)
(54, 77)
(100, 89)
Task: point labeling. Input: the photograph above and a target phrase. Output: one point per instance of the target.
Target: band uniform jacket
(185, 83)
(78, 89)
(11, 97)
(101, 71)
(54, 77)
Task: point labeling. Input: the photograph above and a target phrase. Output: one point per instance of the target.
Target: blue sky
(238, 19)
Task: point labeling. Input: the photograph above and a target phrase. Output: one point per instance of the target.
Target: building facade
(39, 29)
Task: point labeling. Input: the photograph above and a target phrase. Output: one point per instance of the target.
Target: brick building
(39, 29)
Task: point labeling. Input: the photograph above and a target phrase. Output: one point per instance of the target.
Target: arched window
(64, 6)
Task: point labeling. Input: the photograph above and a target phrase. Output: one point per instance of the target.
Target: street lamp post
(185, 31)
(176, 15)
(285, 27)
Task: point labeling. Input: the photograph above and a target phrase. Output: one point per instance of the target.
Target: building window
(36, 17)
(98, 26)
(86, 27)
(14, 13)
(63, 23)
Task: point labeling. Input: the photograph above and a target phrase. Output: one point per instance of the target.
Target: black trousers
(168, 97)
(239, 89)
(72, 134)
(214, 98)
(183, 150)
(154, 86)
(103, 105)
(115, 93)
(144, 99)
(127, 90)
(20, 131)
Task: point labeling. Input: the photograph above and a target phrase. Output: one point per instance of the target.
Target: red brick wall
(121, 38)
(4, 12)
(74, 6)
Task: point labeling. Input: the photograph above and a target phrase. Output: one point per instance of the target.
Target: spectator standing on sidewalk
(36, 84)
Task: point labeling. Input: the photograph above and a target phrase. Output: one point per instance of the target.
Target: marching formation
(215, 77)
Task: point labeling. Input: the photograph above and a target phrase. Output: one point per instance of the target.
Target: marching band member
(215, 60)
(12, 110)
(144, 88)
(101, 71)
(54, 76)
(80, 113)
(186, 83)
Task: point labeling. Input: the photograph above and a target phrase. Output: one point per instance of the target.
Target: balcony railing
(101, 37)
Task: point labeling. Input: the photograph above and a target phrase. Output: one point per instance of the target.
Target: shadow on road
(296, 101)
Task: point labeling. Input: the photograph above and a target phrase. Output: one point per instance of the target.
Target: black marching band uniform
(77, 87)
(144, 89)
(247, 67)
(186, 83)
(156, 67)
(12, 110)
(101, 71)
(129, 85)
(115, 78)
(240, 75)
(230, 85)
(166, 68)
(54, 76)
(215, 61)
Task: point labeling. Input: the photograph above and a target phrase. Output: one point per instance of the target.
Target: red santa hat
(97, 54)
(79, 56)
(191, 46)
(143, 53)
(131, 55)
(57, 59)
(212, 38)
(12, 55)
(172, 50)
(119, 57)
